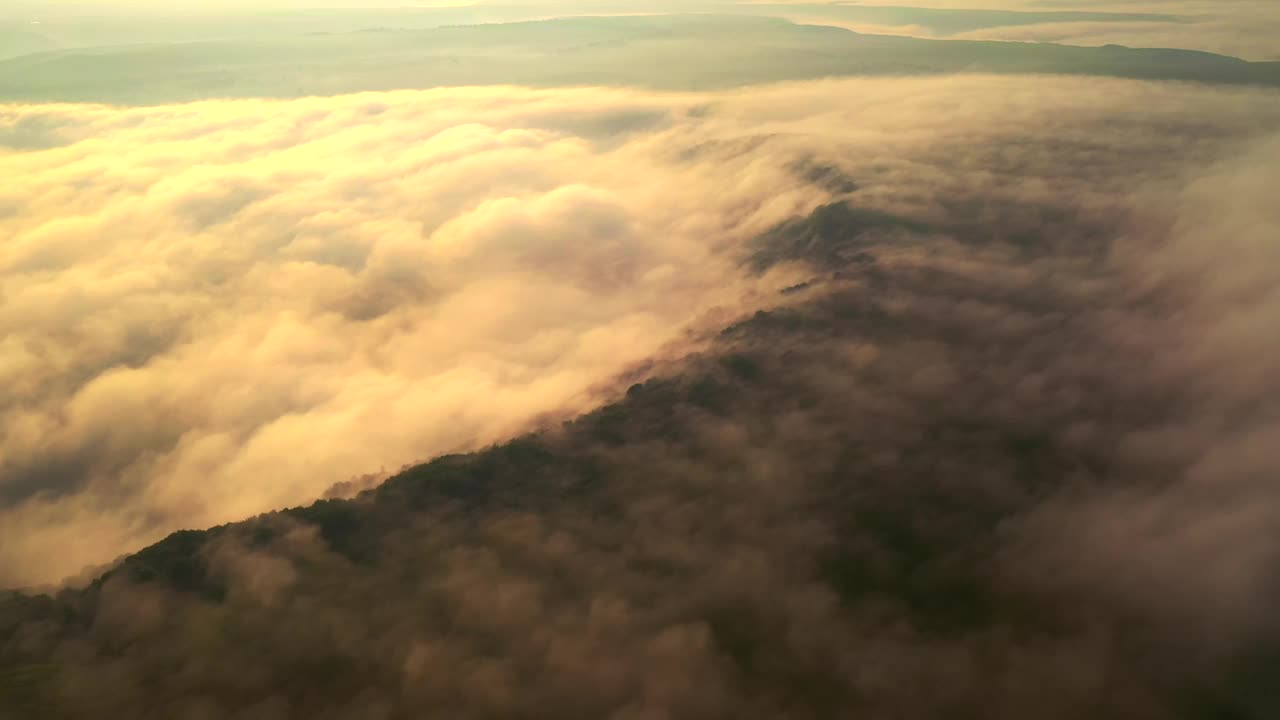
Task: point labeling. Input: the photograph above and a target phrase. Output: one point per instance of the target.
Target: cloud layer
(215, 309)
(1010, 452)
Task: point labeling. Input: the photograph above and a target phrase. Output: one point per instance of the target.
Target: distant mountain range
(70, 26)
(682, 52)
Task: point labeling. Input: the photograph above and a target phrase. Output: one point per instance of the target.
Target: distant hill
(683, 52)
(14, 43)
(77, 25)
(945, 21)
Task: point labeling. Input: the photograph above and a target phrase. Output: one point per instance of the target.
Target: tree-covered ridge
(854, 503)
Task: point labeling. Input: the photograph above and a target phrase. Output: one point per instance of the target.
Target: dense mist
(791, 361)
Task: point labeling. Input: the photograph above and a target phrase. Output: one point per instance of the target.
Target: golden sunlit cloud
(215, 309)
